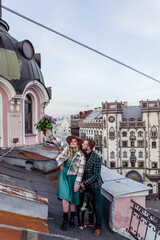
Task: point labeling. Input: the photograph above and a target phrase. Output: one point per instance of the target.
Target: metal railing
(143, 224)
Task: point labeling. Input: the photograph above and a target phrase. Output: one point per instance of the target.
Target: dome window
(26, 49)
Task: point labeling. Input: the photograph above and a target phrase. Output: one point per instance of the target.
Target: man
(92, 181)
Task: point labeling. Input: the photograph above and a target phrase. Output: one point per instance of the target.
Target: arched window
(104, 122)
(153, 132)
(150, 185)
(132, 119)
(111, 133)
(140, 154)
(132, 154)
(105, 142)
(132, 133)
(140, 134)
(124, 134)
(132, 136)
(125, 154)
(112, 155)
(28, 114)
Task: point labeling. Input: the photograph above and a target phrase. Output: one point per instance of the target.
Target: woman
(72, 163)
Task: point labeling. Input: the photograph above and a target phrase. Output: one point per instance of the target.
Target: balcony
(132, 158)
(135, 124)
(95, 124)
(132, 137)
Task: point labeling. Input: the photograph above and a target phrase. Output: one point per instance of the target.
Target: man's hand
(82, 185)
(76, 189)
(62, 167)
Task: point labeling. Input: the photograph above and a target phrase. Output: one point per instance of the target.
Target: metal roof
(14, 67)
(94, 115)
(119, 186)
(132, 112)
(40, 152)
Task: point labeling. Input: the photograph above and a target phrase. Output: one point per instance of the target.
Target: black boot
(71, 220)
(65, 221)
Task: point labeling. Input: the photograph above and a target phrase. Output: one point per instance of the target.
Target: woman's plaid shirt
(77, 165)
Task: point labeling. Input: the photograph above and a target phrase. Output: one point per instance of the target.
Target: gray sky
(127, 30)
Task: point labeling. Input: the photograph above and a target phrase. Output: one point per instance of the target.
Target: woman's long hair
(78, 148)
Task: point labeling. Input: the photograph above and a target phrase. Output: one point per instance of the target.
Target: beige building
(131, 140)
(127, 138)
(62, 129)
(91, 127)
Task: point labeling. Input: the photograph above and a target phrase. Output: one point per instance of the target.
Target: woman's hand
(76, 189)
(62, 167)
(82, 185)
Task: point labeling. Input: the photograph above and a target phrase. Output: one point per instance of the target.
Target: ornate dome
(18, 62)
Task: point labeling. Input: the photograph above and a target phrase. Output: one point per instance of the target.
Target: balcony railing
(143, 224)
(91, 124)
(132, 158)
(132, 137)
(134, 124)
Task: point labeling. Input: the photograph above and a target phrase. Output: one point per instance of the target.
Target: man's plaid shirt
(92, 174)
(78, 162)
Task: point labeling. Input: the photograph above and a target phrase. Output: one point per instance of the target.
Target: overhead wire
(81, 44)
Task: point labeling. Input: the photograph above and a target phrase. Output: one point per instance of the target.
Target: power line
(81, 44)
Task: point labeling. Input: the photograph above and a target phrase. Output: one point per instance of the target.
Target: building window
(140, 143)
(132, 133)
(140, 154)
(141, 164)
(140, 134)
(154, 145)
(124, 143)
(111, 119)
(125, 154)
(104, 122)
(105, 142)
(132, 154)
(113, 165)
(153, 132)
(125, 164)
(28, 114)
(112, 155)
(132, 143)
(124, 134)
(111, 133)
(132, 119)
(154, 165)
(150, 185)
(132, 164)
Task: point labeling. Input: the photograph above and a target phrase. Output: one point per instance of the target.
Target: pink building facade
(23, 94)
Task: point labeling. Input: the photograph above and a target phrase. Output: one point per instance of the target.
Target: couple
(80, 166)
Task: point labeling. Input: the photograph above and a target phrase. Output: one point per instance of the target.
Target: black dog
(85, 204)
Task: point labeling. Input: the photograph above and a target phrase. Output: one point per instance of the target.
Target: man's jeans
(97, 207)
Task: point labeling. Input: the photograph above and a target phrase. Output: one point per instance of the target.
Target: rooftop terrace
(14, 226)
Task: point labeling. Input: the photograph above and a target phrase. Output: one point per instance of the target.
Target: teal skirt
(65, 187)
